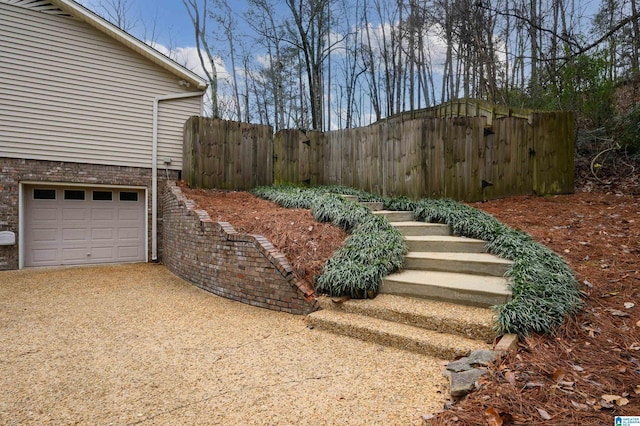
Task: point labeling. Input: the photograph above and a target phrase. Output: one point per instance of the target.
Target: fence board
(445, 152)
(226, 154)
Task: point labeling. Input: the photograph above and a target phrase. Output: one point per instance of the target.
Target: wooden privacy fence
(226, 154)
(443, 154)
(456, 157)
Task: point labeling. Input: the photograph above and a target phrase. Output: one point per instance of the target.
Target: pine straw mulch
(589, 371)
(307, 244)
(559, 379)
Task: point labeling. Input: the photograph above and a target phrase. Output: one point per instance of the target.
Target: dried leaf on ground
(543, 414)
(493, 417)
(580, 406)
(558, 374)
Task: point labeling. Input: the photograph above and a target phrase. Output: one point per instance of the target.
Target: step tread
(418, 224)
(464, 282)
(443, 238)
(382, 212)
(441, 345)
(470, 321)
(374, 206)
(459, 256)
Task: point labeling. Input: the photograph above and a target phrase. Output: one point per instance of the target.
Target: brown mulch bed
(307, 244)
(589, 371)
(586, 373)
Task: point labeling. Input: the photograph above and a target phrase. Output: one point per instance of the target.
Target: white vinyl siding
(39, 5)
(170, 128)
(70, 93)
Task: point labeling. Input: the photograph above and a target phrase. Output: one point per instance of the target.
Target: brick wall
(215, 257)
(13, 171)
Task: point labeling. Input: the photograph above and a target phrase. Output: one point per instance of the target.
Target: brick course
(13, 171)
(215, 257)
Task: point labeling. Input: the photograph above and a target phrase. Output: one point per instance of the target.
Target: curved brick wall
(216, 258)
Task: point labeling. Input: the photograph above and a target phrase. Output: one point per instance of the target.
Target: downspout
(154, 166)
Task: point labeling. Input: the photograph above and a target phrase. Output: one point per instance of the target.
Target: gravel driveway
(133, 344)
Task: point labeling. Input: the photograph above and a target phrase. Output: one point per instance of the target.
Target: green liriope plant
(373, 249)
(545, 290)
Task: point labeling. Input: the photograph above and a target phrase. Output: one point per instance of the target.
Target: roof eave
(83, 14)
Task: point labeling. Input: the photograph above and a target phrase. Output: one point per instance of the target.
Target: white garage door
(73, 225)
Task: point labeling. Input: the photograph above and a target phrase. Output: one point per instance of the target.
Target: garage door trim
(22, 194)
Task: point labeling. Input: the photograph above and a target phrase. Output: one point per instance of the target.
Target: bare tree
(262, 18)
(198, 13)
(119, 13)
(226, 22)
(309, 33)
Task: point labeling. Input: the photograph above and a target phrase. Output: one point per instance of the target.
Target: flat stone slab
(478, 358)
(460, 384)
(465, 372)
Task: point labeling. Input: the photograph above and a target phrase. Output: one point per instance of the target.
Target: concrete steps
(437, 305)
(412, 228)
(395, 216)
(373, 205)
(414, 338)
(467, 263)
(464, 289)
(466, 321)
(446, 243)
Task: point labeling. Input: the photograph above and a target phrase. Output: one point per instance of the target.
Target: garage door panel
(128, 252)
(127, 234)
(42, 214)
(64, 231)
(105, 213)
(45, 235)
(74, 214)
(74, 254)
(102, 234)
(128, 214)
(74, 234)
(45, 256)
(103, 254)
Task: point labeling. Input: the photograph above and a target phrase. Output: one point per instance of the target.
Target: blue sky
(173, 25)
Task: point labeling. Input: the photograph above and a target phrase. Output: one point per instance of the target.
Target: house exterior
(91, 124)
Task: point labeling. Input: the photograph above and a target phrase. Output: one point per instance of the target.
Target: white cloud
(188, 57)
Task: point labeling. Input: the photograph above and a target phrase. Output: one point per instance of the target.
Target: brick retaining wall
(215, 257)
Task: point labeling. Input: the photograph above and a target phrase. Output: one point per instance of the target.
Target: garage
(69, 225)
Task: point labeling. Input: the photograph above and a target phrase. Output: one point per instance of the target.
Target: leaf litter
(595, 353)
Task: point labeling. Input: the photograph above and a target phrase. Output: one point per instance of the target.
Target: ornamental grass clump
(289, 196)
(329, 207)
(373, 249)
(545, 290)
